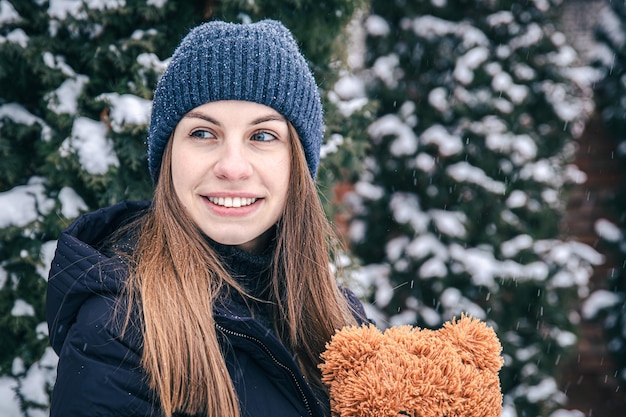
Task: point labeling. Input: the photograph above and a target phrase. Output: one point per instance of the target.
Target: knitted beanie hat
(258, 62)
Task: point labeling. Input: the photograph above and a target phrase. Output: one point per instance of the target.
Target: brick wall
(588, 376)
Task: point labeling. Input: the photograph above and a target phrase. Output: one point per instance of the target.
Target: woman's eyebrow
(198, 115)
(268, 118)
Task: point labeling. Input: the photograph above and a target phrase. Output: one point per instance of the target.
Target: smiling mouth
(232, 201)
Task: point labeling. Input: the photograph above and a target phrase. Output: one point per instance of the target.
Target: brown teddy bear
(407, 371)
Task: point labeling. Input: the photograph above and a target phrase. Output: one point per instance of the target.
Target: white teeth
(232, 201)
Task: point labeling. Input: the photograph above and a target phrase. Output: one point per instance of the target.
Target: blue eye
(202, 134)
(263, 137)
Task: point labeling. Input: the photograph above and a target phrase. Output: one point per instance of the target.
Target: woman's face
(230, 170)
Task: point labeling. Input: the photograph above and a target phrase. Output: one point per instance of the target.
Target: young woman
(216, 298)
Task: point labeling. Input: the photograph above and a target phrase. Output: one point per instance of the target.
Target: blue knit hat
(258, 62)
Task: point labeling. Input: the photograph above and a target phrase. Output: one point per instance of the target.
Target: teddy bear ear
(475, 342)
(400, 333)
(349, 348)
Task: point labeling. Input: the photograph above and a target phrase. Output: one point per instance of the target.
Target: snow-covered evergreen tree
(459, 206)
(610, 304)
(76, 80)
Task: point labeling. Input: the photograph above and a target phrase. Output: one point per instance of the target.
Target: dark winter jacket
(99, 372)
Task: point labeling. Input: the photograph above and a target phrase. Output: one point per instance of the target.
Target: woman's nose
(233, 163)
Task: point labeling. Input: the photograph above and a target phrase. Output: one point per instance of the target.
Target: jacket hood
(79, 270)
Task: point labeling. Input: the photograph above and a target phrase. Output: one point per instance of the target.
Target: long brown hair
(176, 277)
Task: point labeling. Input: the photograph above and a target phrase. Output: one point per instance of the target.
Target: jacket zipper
(276, 361)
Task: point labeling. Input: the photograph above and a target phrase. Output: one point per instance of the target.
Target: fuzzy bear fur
(408, 371)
